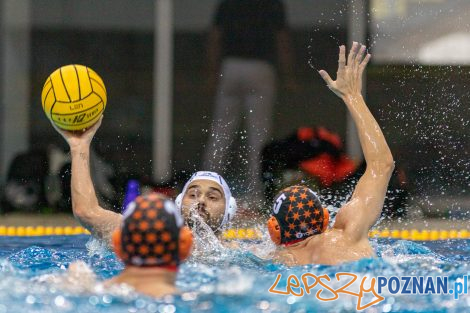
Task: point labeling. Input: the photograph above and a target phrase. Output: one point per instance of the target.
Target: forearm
(85, 206)
(362, 210)
(374, 146)
(84, 199)
(100, 222)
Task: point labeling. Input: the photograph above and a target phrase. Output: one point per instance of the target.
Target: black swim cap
(297, 214)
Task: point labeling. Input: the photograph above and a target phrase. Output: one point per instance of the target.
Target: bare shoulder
(338, 246)
(345, 217)
(328, 238)
(283, 256)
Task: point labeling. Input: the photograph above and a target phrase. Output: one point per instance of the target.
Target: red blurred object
(329, 169)
(326, 135)
(305, 133)
(167, 191)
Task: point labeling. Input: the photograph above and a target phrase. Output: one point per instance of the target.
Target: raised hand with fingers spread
(349, 76)
(308, 240)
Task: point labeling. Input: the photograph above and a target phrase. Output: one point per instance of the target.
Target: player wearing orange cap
(298, 221)
(151, 242)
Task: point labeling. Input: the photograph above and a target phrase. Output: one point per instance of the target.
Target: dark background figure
(25, 187)
(248, 39)
(39, 180)
(315, 157)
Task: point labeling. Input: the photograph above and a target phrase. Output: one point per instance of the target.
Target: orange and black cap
(297, 214)
(152, 233)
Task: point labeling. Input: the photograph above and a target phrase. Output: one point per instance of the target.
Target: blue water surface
(232, 280)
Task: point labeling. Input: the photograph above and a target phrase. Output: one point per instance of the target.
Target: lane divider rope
(243, 233)
(414, 234)
(42, 230)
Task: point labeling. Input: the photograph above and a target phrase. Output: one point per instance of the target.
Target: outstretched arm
(364, 208)
(99, 221)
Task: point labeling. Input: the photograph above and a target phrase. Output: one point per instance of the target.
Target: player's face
(207, 197)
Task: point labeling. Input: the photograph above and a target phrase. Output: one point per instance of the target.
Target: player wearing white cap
(206, 193)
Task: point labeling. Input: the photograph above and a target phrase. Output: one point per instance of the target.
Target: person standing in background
(247, 40)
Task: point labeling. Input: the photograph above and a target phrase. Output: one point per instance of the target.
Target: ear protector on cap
(326, 219)
(275, 230)
(185, 242)
(232, 209)
(179, 201)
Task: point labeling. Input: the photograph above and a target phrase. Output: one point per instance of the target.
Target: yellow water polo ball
(74, 97)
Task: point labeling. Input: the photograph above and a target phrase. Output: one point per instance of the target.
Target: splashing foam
(206, 242)
(97, 247)
(235, 282)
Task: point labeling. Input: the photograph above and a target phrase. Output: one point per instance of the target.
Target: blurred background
(154, 57)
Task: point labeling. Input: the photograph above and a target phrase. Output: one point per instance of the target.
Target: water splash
(232, 282)
(206, 243)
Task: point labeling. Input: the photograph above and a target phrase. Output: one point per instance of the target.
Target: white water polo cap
(230, 203)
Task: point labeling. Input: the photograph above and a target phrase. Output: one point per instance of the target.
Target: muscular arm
(364, 208)
(85, 206)
(97, 220)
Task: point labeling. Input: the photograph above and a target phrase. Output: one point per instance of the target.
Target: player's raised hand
(349, 76)
(79, 137)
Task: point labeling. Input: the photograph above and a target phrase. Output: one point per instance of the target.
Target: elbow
(81, 213)
(389, 164)
(389, 167)
(384, 166)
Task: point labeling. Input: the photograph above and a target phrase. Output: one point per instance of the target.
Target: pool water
(224, 280)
